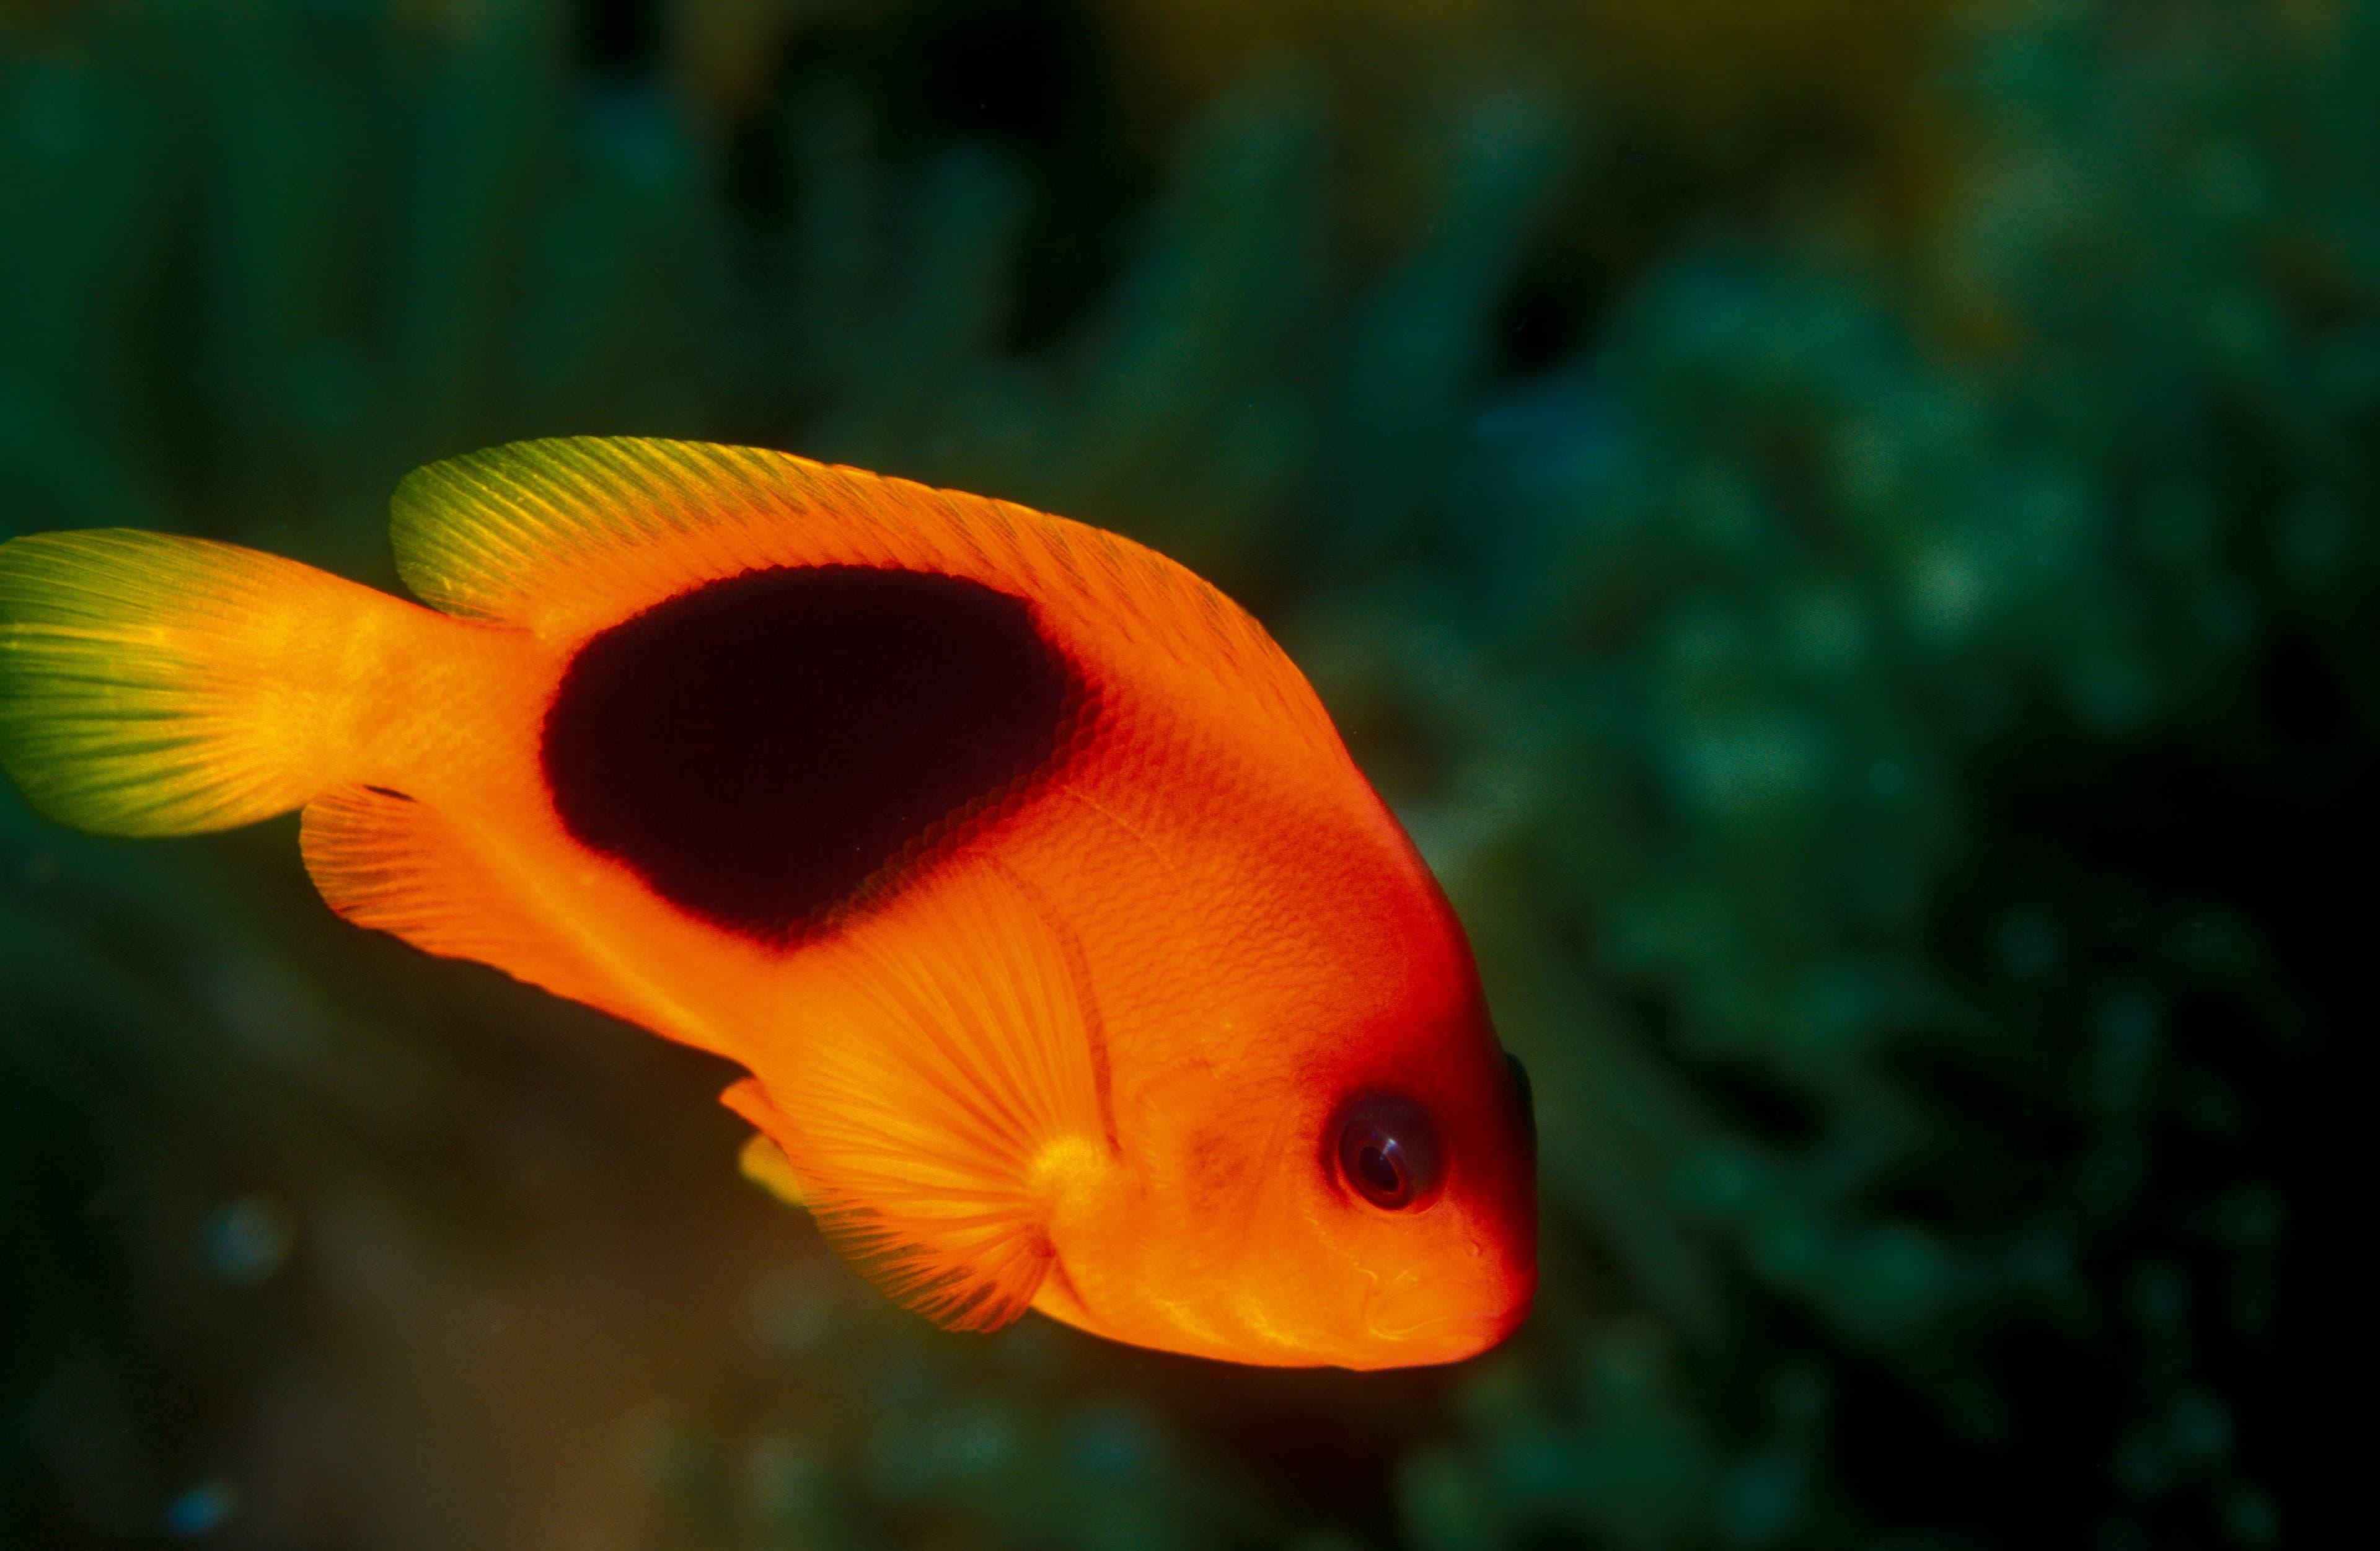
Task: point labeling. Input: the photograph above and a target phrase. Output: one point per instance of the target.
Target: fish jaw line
(1442, 1319)
(1437, 1339)
(1448, 1337)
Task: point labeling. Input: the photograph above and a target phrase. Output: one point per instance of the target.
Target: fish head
(1375, 1207)
(1417, 1206)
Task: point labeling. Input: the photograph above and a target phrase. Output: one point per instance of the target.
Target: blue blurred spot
(2200, 1427)
(2346, 369)
(1112, 1442)
(2250, 1517)
(1746, 764)
(1897, 1274)
(2178, 522)
(1788, 1247)
(1799, 1393)
(2110, 691)
(1718, 1180)
(1950, 586)
(249, 1241)
(2144, 1464)
(2316, 534)
(2158, 1296)
(2025, 941)
(2249, 1216)
(1436, 1500)
(202, 1509)
(1759, 1501)
(2124, 1051)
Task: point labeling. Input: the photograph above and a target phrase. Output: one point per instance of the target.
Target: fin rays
(385, 861)
(930, 1092)
(571, 536)
(158, 684)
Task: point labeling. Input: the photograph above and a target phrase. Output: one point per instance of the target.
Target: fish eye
(1388, 1151)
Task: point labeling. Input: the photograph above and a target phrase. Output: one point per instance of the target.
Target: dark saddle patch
(762, 747)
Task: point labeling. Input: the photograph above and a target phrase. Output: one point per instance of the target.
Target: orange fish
(1074, 965)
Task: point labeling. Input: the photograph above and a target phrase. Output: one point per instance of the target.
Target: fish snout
(1445, 1315)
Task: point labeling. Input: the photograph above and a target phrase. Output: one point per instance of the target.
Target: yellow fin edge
(765, 1164)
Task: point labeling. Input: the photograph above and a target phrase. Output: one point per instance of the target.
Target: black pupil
(1388, 1151)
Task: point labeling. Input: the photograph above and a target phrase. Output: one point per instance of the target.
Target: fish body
(1074, 964)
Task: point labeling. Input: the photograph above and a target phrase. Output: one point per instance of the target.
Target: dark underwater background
(1846, 531)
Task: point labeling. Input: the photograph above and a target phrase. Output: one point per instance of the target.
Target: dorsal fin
(571, 536)
(945, 1099)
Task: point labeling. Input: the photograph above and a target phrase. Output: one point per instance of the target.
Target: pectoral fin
(948, 1096)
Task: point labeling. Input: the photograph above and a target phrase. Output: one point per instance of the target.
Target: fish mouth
(1438, 1339)
(1437, 1324)
(1434, 1322)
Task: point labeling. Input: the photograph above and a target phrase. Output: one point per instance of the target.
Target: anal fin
(383, 861)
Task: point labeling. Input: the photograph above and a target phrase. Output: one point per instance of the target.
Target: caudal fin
(156, 685)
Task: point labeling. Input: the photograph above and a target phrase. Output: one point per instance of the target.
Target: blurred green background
(1845, 530)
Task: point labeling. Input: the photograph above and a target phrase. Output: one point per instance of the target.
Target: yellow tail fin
(155, 685)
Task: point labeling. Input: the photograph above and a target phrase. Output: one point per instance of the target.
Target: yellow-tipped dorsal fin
(571, 536)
